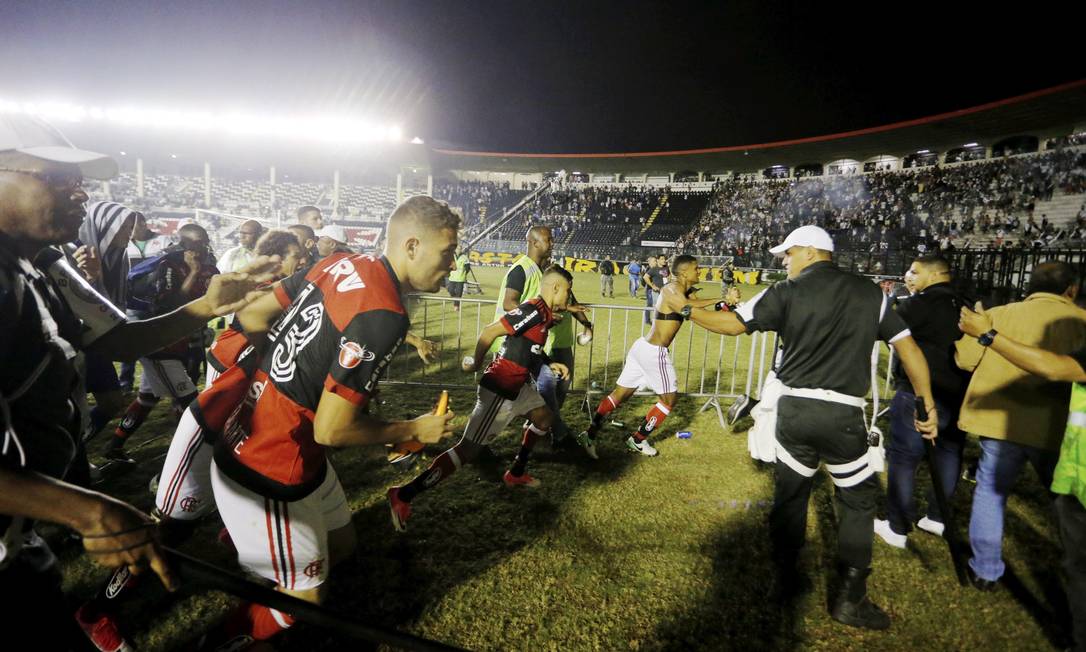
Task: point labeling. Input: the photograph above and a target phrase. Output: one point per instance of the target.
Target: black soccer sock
(531, 435)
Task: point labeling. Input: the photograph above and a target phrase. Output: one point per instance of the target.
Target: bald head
(249, 232)
(540, 243)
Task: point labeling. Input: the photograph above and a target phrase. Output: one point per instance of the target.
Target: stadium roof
(1046, 113)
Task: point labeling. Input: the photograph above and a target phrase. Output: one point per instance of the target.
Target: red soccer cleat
(525, 480)
(102, 632)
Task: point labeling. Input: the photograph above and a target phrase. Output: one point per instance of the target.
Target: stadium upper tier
(983, 203)
(1008, 201)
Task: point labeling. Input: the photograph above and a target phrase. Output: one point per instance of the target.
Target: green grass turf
(624, 553)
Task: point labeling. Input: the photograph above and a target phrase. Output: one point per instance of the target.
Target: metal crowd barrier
(707, 364)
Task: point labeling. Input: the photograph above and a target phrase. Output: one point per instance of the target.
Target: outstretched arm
(228, 293)
(727, 323)
(1046, 364)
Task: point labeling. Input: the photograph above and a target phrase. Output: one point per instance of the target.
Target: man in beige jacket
(1019, 417)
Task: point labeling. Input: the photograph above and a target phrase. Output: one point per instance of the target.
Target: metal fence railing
(709, 366)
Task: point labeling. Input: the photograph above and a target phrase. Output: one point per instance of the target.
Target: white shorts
(649, 366)
(493, 413)
(165, 379)
(285, 542)
(184, 486)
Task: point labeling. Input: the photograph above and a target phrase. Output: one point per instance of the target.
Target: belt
(825, 395)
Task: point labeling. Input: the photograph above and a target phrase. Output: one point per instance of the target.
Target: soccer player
(506, 390)
(185, 496)
(320, 366)
(648, 364)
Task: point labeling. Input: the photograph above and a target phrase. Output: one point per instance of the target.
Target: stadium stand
(1023, 201)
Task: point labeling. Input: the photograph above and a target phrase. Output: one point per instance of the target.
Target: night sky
(549, 76)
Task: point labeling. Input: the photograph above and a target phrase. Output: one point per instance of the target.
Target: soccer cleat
(400, 510)
(643, 446)
(887, 534)
(110, 469)
(930, 526)
(102, 632)
(117, 455)
(588, 444)
(525, 480)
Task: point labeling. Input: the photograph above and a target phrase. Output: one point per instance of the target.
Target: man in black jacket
(607, 277)
(932, 316)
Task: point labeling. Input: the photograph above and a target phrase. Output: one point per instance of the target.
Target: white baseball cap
(34, 137)
(333, 232)
(805, 236)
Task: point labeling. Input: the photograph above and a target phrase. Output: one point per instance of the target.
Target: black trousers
(814, 431)
(1073, 536)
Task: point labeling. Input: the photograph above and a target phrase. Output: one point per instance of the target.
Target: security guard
(459, 277)
(524, 277)
(829, 321)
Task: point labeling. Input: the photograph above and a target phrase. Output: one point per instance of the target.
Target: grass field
(624, 553)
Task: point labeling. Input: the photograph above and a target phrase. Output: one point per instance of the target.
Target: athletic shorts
(184, 486)
(285, 542)
(456, 288)
(101, 374)
(165, 379)
(493, 413)
(649, 366)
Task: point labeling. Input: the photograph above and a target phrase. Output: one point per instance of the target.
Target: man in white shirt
(145, 242)
(240, 256)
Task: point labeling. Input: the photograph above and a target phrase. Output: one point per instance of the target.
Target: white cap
(34, 137)
(805, 236)
(334, 232)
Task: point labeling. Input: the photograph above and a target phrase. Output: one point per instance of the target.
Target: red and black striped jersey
(232, 340)
(233, 356)
(340, 332)
(227, 347)
(520, 356)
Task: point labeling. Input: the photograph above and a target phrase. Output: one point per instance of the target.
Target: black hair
(1053, 277)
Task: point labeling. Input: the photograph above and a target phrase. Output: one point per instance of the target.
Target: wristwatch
(685, 312)
(987, 338)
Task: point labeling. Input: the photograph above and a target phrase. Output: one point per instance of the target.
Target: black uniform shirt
(932, 316)
(656, 275)
(829, 321)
